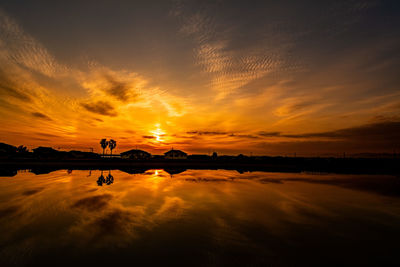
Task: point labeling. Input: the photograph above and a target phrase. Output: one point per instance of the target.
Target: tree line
(111, 144)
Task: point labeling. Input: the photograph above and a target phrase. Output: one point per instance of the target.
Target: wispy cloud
(22, 49)
(230, 68)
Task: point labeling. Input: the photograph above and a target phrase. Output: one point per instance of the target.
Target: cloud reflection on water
(254, 213)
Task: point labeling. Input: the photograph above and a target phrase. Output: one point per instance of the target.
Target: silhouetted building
(82, 155)
(43, 149)
(175, 154)
(47, 152)
(241, 156)
(135, 154)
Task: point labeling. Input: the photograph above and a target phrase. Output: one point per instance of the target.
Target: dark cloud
(248, 136)
(383, 118)
(269, 134)
(41, 116)
(185, 136)
(375, 131)
(376, 137)
(117, 89)
(13, 92)
(371, 132)
(40, 139)
(47, 135)
(297, 107)
(207, 133)
(194, 134)
(9, 88)
(100, 107)
(148, 136)
(93, 203)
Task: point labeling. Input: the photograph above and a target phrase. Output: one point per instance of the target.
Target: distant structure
(46, 152)
(214, 155)
(135, 154)
(82, 155)
(175, 154)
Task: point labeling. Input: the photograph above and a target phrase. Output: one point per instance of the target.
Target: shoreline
(326, 165)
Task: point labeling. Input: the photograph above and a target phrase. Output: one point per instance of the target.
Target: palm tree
(112, 144)
(104, 144)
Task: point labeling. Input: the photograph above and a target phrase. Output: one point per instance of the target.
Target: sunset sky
(260, 77)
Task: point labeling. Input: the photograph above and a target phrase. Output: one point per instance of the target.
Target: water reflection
(200, 217)
(101, 180)
(109, 179)
(171, 171)
(5, 172)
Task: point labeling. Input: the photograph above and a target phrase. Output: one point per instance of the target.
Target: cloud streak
(41, 116)
(100, 107)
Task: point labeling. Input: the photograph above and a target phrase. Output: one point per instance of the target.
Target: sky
(250, 77)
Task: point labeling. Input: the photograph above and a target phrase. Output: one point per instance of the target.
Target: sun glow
(158, 133)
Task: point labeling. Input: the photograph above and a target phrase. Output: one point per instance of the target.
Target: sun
(158, 133)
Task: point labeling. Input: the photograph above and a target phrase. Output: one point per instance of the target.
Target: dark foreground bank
(272, 164)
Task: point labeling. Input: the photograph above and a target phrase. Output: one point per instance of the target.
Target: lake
(198, 218)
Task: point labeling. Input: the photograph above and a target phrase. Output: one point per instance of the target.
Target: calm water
(198, 217)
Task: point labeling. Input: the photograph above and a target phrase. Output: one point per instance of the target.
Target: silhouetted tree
(104, 144)
(101, 179)
(109, 178)
(112, 144)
